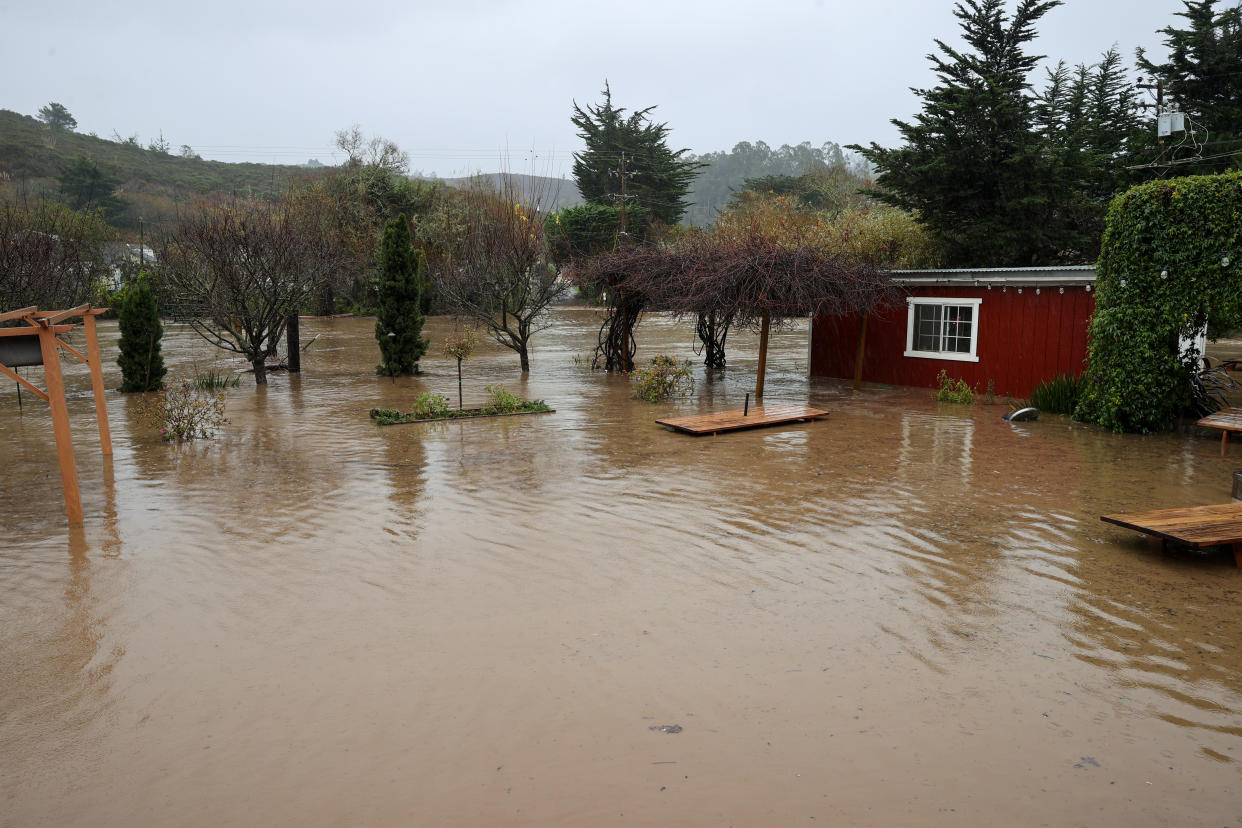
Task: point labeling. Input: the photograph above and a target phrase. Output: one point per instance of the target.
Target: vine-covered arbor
(1168, 269)
(741, 280)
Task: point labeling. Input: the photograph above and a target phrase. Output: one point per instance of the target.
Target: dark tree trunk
(524, 356)
(260, 371)
(616, 336)
(713, 330)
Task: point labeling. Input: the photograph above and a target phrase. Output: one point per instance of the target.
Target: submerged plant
(1058, 395)
(954, 391)
(183, 411)
(663, 378)
(211, 380)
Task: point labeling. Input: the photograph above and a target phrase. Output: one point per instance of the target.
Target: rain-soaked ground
(905, 614)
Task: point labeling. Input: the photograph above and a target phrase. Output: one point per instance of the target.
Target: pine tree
(399, 322)
(142, 365)
(656, 177)
(973, 165)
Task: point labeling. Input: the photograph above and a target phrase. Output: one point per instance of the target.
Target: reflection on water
(907, 613)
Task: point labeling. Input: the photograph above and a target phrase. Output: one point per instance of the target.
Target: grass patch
(213, 380)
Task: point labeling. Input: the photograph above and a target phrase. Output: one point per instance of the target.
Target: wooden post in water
(764, 325)
(60, 423)
(97, 383)
(858, 357)
(294, 343)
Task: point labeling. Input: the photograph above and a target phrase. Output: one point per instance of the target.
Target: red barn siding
(1024, 338)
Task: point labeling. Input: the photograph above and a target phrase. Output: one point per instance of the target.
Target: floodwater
(905, 614)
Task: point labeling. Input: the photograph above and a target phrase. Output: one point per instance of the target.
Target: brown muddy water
(906, 614)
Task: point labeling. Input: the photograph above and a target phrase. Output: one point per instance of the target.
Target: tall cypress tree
(399, 323)
(1203, 76)
(656, 177)
(973, 165)
(142, 364)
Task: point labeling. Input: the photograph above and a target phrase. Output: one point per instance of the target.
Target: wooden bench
(1197, 526)
(1227, 420)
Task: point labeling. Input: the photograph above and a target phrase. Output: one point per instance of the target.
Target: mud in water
(906, 614)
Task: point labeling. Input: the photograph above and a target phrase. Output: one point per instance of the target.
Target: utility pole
(1158, 88)
(624, 197)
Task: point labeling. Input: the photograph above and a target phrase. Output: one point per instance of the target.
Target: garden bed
(390, 416)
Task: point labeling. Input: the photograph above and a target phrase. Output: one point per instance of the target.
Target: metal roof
(983, 276)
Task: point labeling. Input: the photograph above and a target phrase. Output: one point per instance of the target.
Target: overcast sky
(463, 84)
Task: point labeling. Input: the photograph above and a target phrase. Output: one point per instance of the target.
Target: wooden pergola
(38, 342)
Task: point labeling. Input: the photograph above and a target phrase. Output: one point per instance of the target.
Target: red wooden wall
(1024, 339)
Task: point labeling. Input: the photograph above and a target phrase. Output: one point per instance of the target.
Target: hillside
(553, 193)
(152, 183)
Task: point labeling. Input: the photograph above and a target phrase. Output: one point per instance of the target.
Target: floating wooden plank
(1217, 525)
(1227, 420)
(756, 417)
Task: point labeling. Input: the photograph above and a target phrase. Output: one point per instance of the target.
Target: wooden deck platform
(1218, 525)
(1227, 420)
(758, 416)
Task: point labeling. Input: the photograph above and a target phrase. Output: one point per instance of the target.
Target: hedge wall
(1171, 262)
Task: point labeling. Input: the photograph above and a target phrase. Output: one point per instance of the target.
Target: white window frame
(956, 356)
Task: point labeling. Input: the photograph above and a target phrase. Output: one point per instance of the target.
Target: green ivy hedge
(1171, 262)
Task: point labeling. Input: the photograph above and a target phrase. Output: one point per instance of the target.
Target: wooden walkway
(759, 415)
(1219, 525)
(1227, 420)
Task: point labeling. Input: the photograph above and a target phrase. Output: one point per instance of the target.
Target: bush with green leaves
(665, 377)
(954, 391)
(431, 406)
(1168, 268)
(500, 401)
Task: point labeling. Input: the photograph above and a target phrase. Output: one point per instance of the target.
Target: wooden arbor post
(764, 325)
(44, 328)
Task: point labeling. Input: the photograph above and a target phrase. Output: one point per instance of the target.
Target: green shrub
(954, 391)
(430, 406)
(664, 378)
(1058, 395)
(500, 401)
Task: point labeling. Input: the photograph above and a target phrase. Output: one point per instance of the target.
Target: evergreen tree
(973, 167)
(86, 186)
(57, 117)
(656, 177)
(1204, 70)
(142, 365)
(1203, 76)
(399, 322)
(1088, 119)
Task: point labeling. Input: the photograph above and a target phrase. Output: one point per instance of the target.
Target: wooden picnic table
(1197, 526)
(1227, 420)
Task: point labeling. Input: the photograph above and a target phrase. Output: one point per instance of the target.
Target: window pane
(927, 327)
(958, 319)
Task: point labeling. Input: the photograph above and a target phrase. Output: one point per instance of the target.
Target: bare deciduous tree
(240, 268)
(502, 275)
(51, 256)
